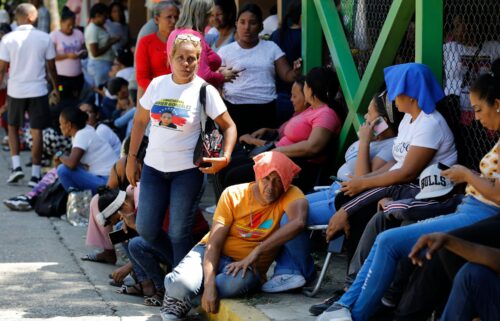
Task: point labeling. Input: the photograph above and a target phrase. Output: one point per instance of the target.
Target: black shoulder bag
(209, 143)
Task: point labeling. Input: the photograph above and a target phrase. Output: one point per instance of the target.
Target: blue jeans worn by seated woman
(185, 282)
(475, 292)
(79, 178)
(177, 191)
(294, 257)
(377, 272)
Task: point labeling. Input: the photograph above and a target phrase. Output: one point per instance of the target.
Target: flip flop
(135, 289)
(156, 300)
(92, 257)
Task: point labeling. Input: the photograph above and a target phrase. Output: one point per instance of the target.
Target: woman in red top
(151, 57)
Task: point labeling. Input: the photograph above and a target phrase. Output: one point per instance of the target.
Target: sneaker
(335, 312)
(15, 175)
(173, 309)
(319, 308)
(283, 282)
(33, 181)
(18, 203)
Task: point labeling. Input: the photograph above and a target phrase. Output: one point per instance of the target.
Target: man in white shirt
(26, 51)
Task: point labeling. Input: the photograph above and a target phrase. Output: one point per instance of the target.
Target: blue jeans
(185, 282)
(79, 178)
(294, 257)
(143, 255)
(475, 292)
(98, 70)
(177, 191)
(390, 246)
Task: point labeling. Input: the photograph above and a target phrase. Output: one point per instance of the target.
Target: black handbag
(52, 201)
(209, 143)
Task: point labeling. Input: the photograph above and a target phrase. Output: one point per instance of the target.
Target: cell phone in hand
(380, 125)
(119, 236)
(337, 179)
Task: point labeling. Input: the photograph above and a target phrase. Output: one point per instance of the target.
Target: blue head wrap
(416, 81)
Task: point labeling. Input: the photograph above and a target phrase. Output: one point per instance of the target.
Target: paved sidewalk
(42, 276)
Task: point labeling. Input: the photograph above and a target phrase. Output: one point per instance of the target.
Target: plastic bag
(78, 208)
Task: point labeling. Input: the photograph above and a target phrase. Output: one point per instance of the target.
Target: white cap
(433, 184)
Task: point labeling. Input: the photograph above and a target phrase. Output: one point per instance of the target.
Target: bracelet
(133, 155)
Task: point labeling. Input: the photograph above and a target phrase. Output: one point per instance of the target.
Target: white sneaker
(335, 313)
(283, 282)
(15, 175)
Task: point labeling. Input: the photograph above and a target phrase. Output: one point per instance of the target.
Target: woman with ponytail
(91, 158)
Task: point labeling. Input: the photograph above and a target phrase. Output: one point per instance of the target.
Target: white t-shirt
(381, 149)
(98, 156)
(429, 131)
(126, 73)
(109, 136)
(175, 121)
(27, 50)
(256, 84)
(462, 68)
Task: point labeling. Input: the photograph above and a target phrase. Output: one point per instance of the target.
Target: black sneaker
(173, 309)
(19, 203)
(15, 175)
(319, 308)
(33, 181)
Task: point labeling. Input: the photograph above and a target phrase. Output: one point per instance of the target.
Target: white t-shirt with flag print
(175, 121)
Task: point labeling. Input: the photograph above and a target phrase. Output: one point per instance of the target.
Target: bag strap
(203, 100)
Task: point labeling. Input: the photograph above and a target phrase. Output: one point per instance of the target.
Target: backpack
(52, 201)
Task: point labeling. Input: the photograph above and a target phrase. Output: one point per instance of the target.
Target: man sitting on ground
(233, 258)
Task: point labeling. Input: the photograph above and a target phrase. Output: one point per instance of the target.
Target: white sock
(16, 161)
(36, 170)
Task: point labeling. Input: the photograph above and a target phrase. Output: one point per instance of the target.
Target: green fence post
(312, 44)
(429, 35)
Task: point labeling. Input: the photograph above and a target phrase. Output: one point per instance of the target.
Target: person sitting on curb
(233, 258)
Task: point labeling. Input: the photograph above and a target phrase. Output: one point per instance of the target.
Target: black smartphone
(443, 167)
(119, 236)
(337, 179)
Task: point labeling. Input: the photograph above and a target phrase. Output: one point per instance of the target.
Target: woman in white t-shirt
(251, 97)
(424, 138)
(169, 179)
(91, 158)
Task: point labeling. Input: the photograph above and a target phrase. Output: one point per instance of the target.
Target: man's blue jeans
(185, 282)
(79, 178)
(390, 246)
(142, 254)
(294, 257)
(475, 293)
(177, 191)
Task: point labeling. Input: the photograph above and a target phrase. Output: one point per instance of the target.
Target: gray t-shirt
(381, 149)
(98, 35)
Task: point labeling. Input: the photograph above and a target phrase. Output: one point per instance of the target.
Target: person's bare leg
(36, 149)
(13, 140)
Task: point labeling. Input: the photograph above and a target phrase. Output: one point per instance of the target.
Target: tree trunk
(53, 8)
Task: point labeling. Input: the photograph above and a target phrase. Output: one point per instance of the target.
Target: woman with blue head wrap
(481, 202)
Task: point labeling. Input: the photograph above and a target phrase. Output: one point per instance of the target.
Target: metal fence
(471, 43)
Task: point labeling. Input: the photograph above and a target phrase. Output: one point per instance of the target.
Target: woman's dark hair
(301, 80)
(106, 196)
(75, 116)
(487, 86)
(115, 84)
(122, 11)
(292, 17)
(98, 8)
(67, 14)
(324, 84)
(125, 57)
(228, 7)
(252, 8)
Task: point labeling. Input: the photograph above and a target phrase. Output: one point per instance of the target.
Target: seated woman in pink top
(193, 20)
(304, 137)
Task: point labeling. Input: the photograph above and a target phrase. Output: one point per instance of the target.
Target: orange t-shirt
(250, 223)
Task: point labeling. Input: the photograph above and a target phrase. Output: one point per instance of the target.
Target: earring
(498, 110)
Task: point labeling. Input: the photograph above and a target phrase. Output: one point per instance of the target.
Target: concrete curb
(232, 310)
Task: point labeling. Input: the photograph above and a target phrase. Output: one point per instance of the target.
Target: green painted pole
(312, 46)
(429, 35)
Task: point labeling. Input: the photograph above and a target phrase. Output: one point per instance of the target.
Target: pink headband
(268, 162)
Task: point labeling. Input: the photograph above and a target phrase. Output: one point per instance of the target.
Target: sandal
(155, 300)
(94, 257)
(135, 289)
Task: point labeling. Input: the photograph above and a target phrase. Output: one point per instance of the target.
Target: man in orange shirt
(233, 258)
